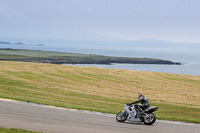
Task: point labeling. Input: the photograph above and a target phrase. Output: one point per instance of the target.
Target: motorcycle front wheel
(122, 116)
(150, 119)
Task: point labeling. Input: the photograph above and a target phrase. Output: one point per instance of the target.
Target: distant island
(20, 43)
(72, 58)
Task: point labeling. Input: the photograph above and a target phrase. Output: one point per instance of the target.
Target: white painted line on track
(91, 112)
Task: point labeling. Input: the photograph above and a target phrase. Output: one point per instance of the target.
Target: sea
(190, 60)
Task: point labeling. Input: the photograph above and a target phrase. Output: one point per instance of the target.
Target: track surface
(35, 117)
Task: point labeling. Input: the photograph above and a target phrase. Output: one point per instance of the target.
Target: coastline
(73, 58)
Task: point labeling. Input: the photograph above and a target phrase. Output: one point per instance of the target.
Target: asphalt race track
(14, 114)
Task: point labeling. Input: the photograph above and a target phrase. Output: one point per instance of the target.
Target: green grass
(102, 90)
(14, 130)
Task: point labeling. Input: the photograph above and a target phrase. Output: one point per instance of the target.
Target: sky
(100, 20)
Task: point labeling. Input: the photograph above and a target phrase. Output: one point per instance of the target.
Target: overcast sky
(95, 20)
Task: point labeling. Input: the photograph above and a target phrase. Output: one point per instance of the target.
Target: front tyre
(150, 119)
(122, 116)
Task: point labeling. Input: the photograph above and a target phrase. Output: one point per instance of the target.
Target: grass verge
(102, 90)
(14, 130)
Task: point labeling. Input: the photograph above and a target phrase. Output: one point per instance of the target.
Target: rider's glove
(128, 104)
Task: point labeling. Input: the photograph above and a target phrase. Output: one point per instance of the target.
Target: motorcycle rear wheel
(149, 120)
(122, 116)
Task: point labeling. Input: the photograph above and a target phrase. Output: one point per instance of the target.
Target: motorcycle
(136, 114)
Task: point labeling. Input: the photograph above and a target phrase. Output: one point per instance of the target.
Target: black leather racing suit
(144, 103)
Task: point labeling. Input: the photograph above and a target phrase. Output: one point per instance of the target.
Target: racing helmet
(141, 96)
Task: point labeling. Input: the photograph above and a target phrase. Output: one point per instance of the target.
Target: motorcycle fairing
(133, 119)
(132, 113)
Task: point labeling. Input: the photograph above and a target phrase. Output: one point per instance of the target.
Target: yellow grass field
(99, 89)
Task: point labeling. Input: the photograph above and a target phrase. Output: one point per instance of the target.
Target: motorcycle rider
(144, 104)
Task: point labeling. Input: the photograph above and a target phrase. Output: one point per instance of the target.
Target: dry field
(99, 89)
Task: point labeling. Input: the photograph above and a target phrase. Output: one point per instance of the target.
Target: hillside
(98, 89)
(71, 58)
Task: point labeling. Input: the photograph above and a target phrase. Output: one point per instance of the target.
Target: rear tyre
(122, 116)
(150, 119)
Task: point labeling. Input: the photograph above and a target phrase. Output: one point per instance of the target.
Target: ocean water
(187, 69)
(190, 61)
